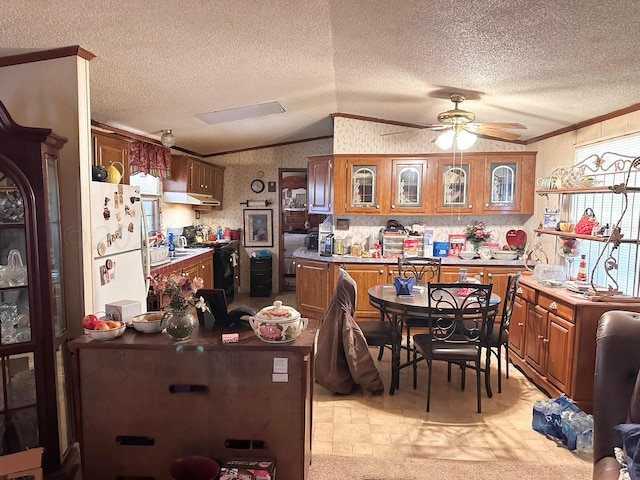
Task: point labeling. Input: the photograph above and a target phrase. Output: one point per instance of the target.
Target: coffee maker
(323, 231)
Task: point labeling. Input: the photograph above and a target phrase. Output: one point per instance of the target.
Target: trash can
(194, 467)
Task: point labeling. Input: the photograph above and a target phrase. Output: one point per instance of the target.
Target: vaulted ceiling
(545, 64)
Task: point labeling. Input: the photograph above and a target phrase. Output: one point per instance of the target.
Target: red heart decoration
(517, 238)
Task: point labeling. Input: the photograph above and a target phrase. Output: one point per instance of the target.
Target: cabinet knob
(202, 267)
(393, 206)
(519, 290)
(470, 206)
(520, 324)
(540, 337)
(489, 275)
(486, 204)
(381, 271)
(545, 340)
(553, 306)
(378, 206)
(482, 274)
(299, 265)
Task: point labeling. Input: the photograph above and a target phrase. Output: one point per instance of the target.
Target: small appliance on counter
(326, 249)
(324, 229)
(311, 241)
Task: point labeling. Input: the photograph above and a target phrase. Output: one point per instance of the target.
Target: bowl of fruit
(505, 253)
(102, 327)
(278, 323)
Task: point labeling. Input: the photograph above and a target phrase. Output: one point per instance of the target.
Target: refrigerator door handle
(144, 242)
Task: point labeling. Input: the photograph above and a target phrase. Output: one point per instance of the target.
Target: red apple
(101, 325)
(89, 321)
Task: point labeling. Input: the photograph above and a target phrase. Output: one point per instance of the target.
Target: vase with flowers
(176, 295)
(477, 234)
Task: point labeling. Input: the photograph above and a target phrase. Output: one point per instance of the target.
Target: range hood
(190, 199)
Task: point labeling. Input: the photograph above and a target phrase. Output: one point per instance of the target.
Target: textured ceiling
(545, 64)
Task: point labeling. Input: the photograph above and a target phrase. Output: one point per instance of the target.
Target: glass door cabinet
(35, 396)
(503, 182)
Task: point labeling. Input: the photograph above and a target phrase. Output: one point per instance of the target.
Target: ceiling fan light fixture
(445, 140)
(168, 139)
(465, 139)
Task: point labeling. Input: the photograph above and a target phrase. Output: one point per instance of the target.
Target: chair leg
(380, 353)
(430, 365)
(448, 371)
(463, 376)
(415, 369)
(506, 360)
(499, 369)
(478, 385)
(408, 342)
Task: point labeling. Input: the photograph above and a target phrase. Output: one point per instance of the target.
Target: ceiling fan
(458, 120)
(459, 124)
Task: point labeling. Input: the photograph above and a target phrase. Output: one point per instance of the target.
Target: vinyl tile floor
(398, 425)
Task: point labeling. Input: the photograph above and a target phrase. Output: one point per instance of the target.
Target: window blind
(608, 209)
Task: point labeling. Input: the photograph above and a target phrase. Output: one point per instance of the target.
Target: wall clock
(257, 185)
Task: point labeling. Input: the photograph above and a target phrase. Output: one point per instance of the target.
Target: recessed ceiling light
(241, 113)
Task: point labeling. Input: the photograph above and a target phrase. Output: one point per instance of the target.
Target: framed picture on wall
(258, 227)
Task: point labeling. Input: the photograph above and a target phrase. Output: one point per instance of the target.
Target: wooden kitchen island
(144, 400)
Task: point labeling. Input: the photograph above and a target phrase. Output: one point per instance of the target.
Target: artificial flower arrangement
(179, 290)
(477, 233)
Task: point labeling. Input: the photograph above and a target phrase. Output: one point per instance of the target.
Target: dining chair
(499, 338)
(425, 270)
(458, 329)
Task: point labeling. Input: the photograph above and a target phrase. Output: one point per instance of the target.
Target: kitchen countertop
(455, 261)
(183, 255)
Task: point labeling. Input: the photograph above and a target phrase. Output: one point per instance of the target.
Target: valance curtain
(149, 158)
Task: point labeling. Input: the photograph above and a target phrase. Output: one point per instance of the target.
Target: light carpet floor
(332, 467)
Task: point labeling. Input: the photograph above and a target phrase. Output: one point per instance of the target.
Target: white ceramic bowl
(278, 323)
(467, 255)
(106, 334)
(504, 254)
(149, 322)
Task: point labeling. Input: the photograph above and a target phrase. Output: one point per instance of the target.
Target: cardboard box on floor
(21, 464)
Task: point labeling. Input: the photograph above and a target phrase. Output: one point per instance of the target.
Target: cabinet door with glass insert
(456, 190)
(502, 187)
(367, 185)
(509, 183)
(409, 179)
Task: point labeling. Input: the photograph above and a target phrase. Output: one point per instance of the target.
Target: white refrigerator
(119, 270)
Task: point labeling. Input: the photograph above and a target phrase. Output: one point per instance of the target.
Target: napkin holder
(404, 286)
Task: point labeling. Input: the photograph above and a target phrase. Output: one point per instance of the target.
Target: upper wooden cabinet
(194, 176)
(503, 187)
(320, 184)
(475, 183)
(509, 185)
(110, 150)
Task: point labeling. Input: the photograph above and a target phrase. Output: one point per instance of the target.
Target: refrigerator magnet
(108, 264)
(106, 213)
(118, 216)
(130, 227)
(102, 248)
(116, 201)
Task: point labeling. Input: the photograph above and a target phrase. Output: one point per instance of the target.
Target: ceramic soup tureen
(278, 323)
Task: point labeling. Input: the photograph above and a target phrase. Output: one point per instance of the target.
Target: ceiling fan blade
(491, 132)
(502, 125)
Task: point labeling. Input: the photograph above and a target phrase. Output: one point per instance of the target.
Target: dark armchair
(616, 387)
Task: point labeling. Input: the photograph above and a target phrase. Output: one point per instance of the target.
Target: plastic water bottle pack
(560, 418)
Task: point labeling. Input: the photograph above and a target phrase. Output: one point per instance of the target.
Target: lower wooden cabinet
(313, 287)
(201, 266)
(552, 338)
(365, 276)
(141, 404)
